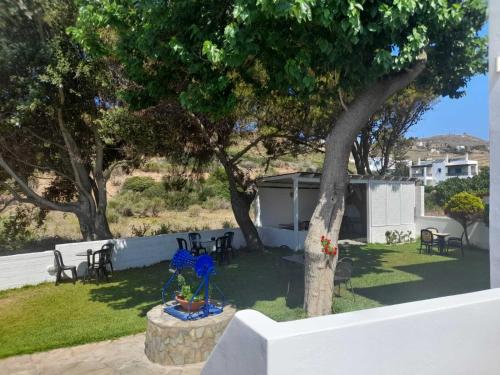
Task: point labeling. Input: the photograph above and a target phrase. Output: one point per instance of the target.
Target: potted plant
(185, 295)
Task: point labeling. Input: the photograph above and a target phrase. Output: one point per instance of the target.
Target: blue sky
(468, 114)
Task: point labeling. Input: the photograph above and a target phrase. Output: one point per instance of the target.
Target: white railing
(450, 335)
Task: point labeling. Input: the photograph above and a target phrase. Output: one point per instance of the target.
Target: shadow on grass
(248, 279)
(366, 260)
(455, 275)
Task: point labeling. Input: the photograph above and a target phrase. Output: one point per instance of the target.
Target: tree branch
(31, 195)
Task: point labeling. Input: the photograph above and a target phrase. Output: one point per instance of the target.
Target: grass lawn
(47, 316)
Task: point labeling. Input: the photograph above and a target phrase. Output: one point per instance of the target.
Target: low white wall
(478, 232)
(276, 237)
(450, 335)
(377, 234)
(29, 269)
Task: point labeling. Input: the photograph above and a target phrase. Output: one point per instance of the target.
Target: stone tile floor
(121, 356)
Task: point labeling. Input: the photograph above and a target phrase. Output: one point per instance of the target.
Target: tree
(53, 151)
(465, 208)
(370, 50)
(218, 108)
(478, 185)
(384, 135)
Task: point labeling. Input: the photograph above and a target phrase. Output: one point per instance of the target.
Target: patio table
(441, 240)
(88, 255)
(209, 245)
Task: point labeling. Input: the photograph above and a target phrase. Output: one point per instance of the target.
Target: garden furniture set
(99, 264)
(431, 237)
(221, 247)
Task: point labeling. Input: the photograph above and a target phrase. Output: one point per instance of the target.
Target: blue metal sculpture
(204, 268)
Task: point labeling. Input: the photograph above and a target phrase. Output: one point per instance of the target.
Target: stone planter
(174, 342)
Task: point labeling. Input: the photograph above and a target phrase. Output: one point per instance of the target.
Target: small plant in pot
(185, 294)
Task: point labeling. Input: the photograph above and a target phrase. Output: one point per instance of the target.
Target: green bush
(179, 201)
(465, 208)
(131, 203)
(477, 185)
(155, 191)
(113, 216)
(217, 185)
(138, 183)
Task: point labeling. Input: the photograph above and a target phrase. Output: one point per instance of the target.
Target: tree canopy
(465, 208)
(355, 53)
(55, 150)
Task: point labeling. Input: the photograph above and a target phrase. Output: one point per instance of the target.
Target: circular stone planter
(174, 342)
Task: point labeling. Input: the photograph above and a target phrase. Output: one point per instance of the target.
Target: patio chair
(195, 241)
(61, 267)
(98, 266)
(456, 243)
(434, 231)
(182, 243)
(427, 240)
(230, 236)
(108, 253)
(343, 274)
(221, 249)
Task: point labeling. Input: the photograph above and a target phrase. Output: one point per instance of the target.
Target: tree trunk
(327, 217)
(93, 228)
(467, 241)
(326, 221)
(240, 203)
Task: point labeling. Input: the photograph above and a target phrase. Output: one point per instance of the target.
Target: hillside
(130, 213)
(455, 145)
(455, 140)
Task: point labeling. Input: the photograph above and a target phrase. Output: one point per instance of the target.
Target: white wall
(494, 107)
(451, 335)
(391, 207)
(276, 237)
(478, 232)
(276, 205)
(30, 269)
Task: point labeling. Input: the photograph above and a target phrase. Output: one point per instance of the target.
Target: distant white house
(374, 205)
(431, 172)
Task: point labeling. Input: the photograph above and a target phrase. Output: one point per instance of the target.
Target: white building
(431, 172)
(374, 205)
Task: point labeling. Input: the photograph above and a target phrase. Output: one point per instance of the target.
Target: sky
(469, 114)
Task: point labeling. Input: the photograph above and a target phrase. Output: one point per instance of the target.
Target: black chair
(98, 266)
(195, 241)
(61, 267)
(221, 250)
(343, 274)
(182, 243)
(456, 243)
(108, 250)
(230, 236)
(427, 240)
(435, 238)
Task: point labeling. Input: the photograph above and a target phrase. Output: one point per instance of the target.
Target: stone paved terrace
(121, 356)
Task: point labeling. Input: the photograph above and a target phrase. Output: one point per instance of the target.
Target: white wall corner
(494, 116)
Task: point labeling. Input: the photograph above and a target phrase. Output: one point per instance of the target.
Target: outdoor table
(209, 245)
(441, 240)
(88, 255)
